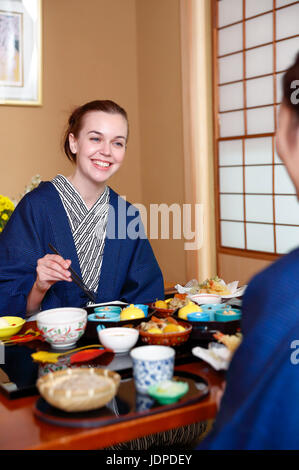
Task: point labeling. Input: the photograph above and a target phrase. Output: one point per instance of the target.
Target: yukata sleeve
(144, 281)
(20, 249)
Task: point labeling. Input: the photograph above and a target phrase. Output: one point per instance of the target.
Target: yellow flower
(4, 216)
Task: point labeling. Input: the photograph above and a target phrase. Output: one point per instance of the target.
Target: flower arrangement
(7, 205)
(6, 209)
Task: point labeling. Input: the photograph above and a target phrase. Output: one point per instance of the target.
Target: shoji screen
(254, 43)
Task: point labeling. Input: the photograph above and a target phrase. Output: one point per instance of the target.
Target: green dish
(168, 391)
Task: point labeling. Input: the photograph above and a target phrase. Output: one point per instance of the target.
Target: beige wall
(128, 51)
(89, 52)
(161, 126)
(125, 50)
(239, 268)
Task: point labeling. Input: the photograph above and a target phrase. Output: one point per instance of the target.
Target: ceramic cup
(200, 316)
(143, 307)
(151, 365)
(220, 316)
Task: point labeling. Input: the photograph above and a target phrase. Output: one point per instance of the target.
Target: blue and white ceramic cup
(151, 365)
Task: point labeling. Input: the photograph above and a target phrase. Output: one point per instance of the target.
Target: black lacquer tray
(127, 404)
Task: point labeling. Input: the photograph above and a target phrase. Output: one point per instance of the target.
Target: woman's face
(100, 146)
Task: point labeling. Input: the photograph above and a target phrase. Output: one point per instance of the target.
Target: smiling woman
(76, 214)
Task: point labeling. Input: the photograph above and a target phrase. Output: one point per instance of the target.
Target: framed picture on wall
(20, 52)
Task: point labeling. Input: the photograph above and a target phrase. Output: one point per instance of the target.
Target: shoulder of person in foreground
(272, 290)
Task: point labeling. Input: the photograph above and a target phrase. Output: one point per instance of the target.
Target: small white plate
(205, 298)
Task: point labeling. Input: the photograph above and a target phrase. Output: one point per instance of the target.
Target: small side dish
(10, 326)
(164, 331)
(168, 391)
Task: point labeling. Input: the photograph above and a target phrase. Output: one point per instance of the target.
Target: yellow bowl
(15, 323)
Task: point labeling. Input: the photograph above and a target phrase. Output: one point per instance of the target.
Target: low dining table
(21, 429)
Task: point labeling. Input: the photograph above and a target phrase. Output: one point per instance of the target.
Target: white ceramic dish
(205, 298)
(119, 339)
(62, 327)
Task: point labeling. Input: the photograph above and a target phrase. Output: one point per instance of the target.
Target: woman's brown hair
(76, 118)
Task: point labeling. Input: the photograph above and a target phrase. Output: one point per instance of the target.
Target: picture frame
(21, 52)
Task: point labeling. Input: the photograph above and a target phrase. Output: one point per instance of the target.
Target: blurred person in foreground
(259, 408)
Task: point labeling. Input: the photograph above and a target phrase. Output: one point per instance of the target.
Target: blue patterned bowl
(151, 365)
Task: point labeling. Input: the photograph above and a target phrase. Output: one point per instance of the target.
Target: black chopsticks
(77, 280)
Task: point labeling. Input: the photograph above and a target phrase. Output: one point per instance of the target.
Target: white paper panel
(229, 11)
(230, 152)
(259, 208)
(287, 210)
(231, 96)
(287, 238)
(260, 120)
(231, 68)
(258, 179)
(286, 52)
(259, 91)
(231, 124)
(259, 61)
(258, 151)
(287, 23)
(282, 181)
(231, 180)
(279, 92)
(281, 3)
(232, 234)
(231, 207)
(230, 39)
(276, 157)
(254, 7)
(259, 30)
(260, 237)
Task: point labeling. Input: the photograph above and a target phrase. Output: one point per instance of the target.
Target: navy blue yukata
(129, 270)
(259, 409)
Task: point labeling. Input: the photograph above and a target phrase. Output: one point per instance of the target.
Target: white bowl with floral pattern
(62, 327)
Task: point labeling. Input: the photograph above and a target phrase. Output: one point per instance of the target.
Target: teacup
(200, 316)
(151, 365)
(143, 307)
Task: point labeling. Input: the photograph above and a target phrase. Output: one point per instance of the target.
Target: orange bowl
(167, 339)
(162, 312)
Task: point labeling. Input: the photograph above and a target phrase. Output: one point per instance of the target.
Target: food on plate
(232, 342)
(228, 312)
(131, 312)
(161, 326)
(191, 307)
(213, 285)
(168, 391)
(4, 323)
(154, 330)
(161, 304)
(177, 302)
